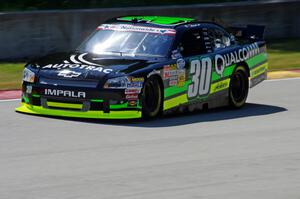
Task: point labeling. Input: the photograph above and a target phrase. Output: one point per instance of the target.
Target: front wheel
(239, 87)
(151, 98)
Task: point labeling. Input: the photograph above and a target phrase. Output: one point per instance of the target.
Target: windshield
(129, 40)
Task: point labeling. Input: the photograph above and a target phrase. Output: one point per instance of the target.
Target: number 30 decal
(201, 77)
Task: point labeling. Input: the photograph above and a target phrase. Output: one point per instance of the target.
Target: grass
(11, 75)
(283, 55)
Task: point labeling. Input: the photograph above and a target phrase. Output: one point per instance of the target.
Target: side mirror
(176, 54)
(218, 43)
(232, 39)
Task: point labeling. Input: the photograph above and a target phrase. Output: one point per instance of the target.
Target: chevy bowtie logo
(68, 73)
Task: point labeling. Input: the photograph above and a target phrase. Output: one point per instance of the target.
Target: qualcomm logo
(68, 73)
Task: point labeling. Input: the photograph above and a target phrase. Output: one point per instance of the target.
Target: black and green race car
(145, 66)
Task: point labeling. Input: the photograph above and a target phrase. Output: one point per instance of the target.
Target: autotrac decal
(235, 57)
(133, 28)
(79, 63)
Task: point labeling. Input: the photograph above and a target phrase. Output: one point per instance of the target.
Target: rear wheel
(151, 98)
(239, 87)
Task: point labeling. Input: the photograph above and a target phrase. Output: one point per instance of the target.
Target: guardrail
(32, 34)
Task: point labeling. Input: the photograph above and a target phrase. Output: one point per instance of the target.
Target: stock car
(145, 66)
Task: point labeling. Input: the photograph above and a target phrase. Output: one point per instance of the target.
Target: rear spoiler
(250, 32)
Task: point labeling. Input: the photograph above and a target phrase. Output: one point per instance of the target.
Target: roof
(157, 20)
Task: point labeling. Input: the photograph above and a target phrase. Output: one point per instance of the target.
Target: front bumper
(98, 104)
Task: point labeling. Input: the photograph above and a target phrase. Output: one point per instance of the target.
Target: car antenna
(135, 20)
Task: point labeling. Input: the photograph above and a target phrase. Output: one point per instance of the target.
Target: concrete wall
(30, 34)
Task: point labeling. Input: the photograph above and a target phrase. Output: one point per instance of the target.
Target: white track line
(285, 79)
(11, 100)
(271, 80)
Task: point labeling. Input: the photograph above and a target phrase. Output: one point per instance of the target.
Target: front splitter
(38, 110)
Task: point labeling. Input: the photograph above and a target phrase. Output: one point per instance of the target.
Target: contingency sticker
(174, 76)
(136, 82)
(181, 78)
(134, 88)
(170, 71)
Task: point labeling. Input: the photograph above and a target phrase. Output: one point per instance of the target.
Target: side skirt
(216, 100)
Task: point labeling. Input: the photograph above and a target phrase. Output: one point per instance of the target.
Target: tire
(239, 87)
(151, 98)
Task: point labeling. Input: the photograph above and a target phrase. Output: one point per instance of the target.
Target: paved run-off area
(249, 153)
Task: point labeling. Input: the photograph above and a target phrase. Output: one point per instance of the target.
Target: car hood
(85, 66)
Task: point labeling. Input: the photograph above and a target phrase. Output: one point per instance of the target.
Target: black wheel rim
(239, 86)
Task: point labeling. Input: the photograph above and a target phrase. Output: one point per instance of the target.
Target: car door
(196, 50)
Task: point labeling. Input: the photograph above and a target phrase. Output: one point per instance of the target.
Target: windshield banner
(133, 28)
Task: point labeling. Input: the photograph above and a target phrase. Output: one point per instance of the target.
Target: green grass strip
(11, 75)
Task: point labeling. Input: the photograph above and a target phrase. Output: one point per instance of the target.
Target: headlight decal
(132, 85)
(124, 83)
(117, 83)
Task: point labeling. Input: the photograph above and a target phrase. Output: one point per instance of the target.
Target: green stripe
(118, 106)
(219, 86)
(26, 99)
(121, 106)
(159, 19)
(176, 90)
(96, 100)
(227, 72)
(175, 101)
(258, 70)
(252, 62)
(64, 105)
(182, 99)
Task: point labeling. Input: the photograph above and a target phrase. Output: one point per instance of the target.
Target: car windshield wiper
(114, 53)
(148, 55)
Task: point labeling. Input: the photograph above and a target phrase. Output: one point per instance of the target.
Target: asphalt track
(243, 154)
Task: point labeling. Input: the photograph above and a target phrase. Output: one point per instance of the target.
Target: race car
(146, 66)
